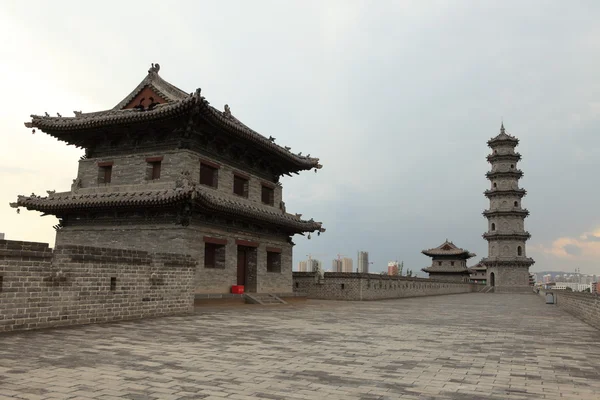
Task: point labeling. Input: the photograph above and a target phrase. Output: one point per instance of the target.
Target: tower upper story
(160, 143)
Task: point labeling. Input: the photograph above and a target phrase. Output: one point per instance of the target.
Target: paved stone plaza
(466, 346)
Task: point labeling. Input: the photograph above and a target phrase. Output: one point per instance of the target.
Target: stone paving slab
(468, 346)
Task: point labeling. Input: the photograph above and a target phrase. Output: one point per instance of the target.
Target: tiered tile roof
(175, 102)
(205, 198)
(447, 249)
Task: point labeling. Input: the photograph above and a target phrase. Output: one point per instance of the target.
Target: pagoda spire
(502, 127)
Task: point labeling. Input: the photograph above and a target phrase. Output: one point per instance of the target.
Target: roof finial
(502, 127)
(154, 68)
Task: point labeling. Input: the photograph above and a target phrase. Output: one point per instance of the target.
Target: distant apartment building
(394, 268)
(547, 278)
(363, 262)
(595, 286)
(1, 236)
(574, 286)
(347, 265)
(310, 265)
(302, 266)
(336, 265)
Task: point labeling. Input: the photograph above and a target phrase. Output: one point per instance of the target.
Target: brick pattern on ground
(458, 347)
(72, 285)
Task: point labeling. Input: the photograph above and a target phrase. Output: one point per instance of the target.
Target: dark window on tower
(214, 255)
(495, 185)
(273, 261)
(113, 283)
(493, 226)
(104, 173)
(267, 195)
(208, 175)
(439, 263)
(154, 170)
(1, 278)
(512, 166)
(452, 263)
(519, 251)
(516, 204)
(240, 186)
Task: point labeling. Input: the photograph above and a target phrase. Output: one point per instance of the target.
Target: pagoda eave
(504, 174)
(507, 262)
(516, 213)
(506, 139)
(504, 157)
(508, 192)
(506, 236)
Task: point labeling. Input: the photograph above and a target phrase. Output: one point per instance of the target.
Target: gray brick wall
(584, 306)
(132, 170)
(358, 286)
(509, 279)
(72, 285)
(190, 240)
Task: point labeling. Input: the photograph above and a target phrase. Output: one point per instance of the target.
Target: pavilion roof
(458, 269)
(503, 137)
(448, 249)
(167, 101)
(205, 198)
(477, 268)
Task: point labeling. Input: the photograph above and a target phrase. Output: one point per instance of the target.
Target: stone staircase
(263, 299)
(487, 289)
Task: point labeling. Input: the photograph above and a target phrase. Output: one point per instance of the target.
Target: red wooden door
(242, 261)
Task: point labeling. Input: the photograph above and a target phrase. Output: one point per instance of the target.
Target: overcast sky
(397, 99)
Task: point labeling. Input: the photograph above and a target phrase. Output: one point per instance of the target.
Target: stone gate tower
(507, 262)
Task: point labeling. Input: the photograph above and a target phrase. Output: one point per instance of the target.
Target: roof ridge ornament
(154, 68)
(502, 127)
(227, 110)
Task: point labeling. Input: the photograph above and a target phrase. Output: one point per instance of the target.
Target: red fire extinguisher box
(237, 289)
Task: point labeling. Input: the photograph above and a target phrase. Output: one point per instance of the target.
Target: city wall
(74, 285)
(584, 306)
(359, 286)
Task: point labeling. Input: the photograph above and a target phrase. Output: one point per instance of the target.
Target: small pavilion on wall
(449, 262)
(164, 171)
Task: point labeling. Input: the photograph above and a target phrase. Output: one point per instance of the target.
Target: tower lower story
(508, 276)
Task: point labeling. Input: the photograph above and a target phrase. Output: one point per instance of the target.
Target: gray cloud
(573, 249)
(398, 100)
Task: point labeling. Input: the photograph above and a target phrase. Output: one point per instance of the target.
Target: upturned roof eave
(178, 102)
(449, 254)
(163, 198)
(432, 270)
